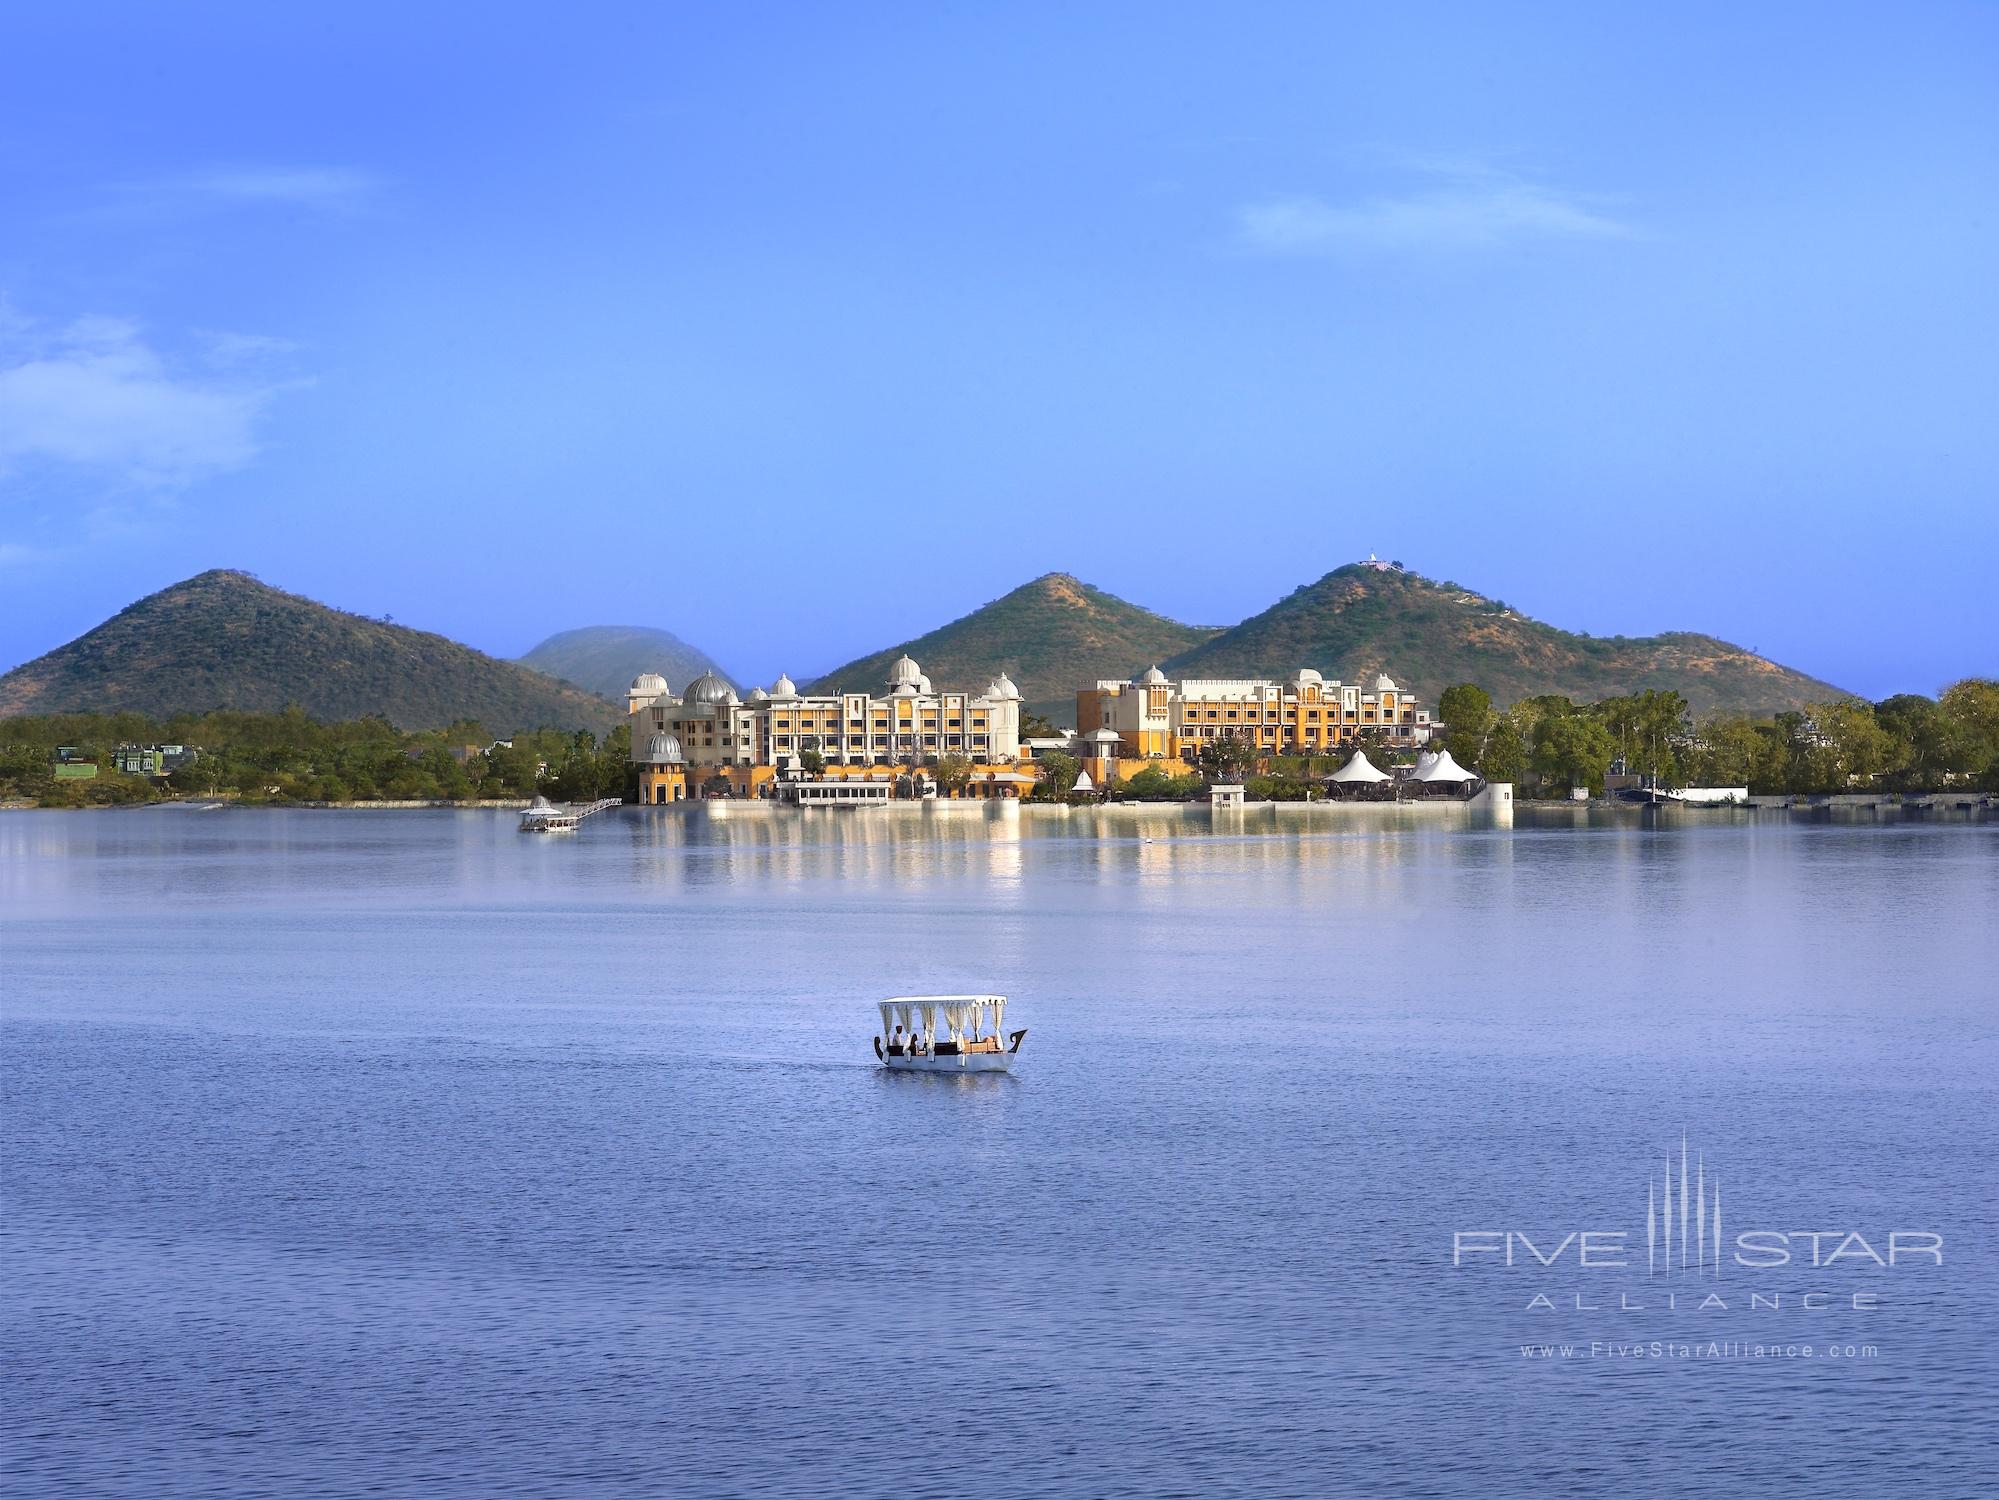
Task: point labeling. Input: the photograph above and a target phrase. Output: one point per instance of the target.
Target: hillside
(1359, 620)
(603, 659)
(1051, 636)
(224, 640)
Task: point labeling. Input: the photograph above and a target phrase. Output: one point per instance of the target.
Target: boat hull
(953, 1062)
(964, 1062)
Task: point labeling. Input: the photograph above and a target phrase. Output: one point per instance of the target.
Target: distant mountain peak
(1362, 618)
(226, 639)
(604, 659)
(1051, 634)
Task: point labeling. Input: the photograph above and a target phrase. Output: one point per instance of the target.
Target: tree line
(1909, 742)
(291, 757)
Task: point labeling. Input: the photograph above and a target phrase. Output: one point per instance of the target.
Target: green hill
(225, 640)
(1359, 620)
(1051, 636)
(603, 659)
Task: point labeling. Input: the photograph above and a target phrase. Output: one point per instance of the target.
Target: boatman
(895, 1043)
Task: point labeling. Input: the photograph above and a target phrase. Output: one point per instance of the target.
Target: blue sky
(800, 329)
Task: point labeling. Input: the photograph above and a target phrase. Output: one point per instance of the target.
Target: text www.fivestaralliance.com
(1700, 1349)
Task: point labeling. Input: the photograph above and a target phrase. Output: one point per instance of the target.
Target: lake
(401, 1153)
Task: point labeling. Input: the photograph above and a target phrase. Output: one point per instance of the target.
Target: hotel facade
(1121, 725)
(707, 741)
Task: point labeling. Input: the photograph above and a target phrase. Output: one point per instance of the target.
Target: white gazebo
(1360, 770)
(1442, 767)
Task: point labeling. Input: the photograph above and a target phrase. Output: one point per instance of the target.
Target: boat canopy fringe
(963, 1015)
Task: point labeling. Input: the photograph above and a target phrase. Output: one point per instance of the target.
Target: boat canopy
(963, 1015)
(1360, 768)
(1443, 768)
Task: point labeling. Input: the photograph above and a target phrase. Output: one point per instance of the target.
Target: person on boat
(896, 1043)
(916, 1047)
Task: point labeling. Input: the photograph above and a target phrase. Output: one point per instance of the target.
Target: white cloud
(1459, 208)
(330, 190)
(335, 187)
(97, 397)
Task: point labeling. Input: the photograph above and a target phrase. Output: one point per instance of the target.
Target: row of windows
(858, 727)
(881, 741)
(1291, 715)
(1268, 733)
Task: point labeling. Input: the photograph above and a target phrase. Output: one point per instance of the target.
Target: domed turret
(710, 690)
(1307, 675)
(756, 695)
(1384, 683)
(1004, 689)
(647, 689)
(784, 687)
(1153, 678)
(904, 671)
(664, 750)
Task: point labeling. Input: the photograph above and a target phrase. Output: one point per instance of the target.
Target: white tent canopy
(1360, 768)
(1443, 768)
(963, 1015)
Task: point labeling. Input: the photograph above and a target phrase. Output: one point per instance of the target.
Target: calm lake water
(402, 1154)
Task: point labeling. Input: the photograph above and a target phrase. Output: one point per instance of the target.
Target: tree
(1724, 750)
(1038, 727)
(1931, 744)
(1574, 750)
(1468, 718)
(1058, 772)
(1840, 743)
(1647, 726)
(1505, 755)
(811, 762)
(1972, 709)
(1227, 759)
(1974, 703)
(953, 773)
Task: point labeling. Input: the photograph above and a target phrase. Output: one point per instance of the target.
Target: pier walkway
(545, 817)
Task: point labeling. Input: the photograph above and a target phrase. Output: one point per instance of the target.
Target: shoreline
(1797, 802)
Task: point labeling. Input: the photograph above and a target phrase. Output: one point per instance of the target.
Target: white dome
(650, 683)
(1004, 688)
(784, 687)
(1384, 683)
(708, 688)
(905, 671)
(757, 695)
(664, 750)
(1305, 675)
(1153, 678)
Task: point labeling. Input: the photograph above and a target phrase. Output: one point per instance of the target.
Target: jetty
(544, 816)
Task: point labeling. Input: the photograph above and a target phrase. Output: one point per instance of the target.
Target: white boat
(947, 1034)
(544, 817)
